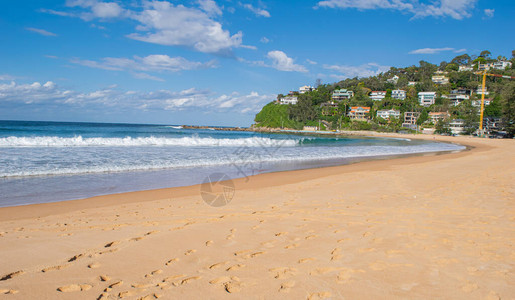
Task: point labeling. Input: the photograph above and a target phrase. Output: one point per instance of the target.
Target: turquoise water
(54, 161)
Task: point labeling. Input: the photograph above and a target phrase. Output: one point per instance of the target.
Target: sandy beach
(420, 227)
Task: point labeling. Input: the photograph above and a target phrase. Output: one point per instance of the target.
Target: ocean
(55, 161)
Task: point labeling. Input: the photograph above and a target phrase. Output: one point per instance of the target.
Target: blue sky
(218, 62)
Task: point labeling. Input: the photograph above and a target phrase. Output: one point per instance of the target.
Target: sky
(206, 62)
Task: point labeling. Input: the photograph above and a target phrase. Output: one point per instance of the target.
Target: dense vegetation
(310, 111)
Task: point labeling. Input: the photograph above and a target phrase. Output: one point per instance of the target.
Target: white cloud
(258, 11)
(366, 4)
(309, 61)
(51, 95)
(146, 76)
(6, 77)
(366, 70)
(156, 63)
(165, 24)
(248, 47)
(264, 40)
(210, 7)
(56, 12)
(489, 13)
(457, 9)
(98, 9)
(41, 31)
(436, 50)
(282, 62)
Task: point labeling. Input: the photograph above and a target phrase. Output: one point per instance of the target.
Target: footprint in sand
(54, 268)
(142, 285)
(305, 260)
(209, 243)
(286, 286)
(190, 279)
(171, 261)
(74, 288)
(189, 252)
(12, 275)
(104, 278)
(291, 246)
(285, 272)
(235, 267)
(309, 237)
(320, 295)
(8, 292)
(94, 265)
(257, 253)
(336, 254)
(241, 252)
(217, 265)
(116, 284)
(155, 272)
(114, 243)
(173, 279)
(281, 233)
(232, 287)
(125, 294)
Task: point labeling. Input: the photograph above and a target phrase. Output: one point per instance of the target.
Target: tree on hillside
(469, 114)
(508, 108)
(303, 111)
(494, 109)
(463, 59)
(451, 67)
(442, 127)
(485, 54)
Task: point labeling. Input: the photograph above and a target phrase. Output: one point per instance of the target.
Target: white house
(483, 67)
(465, 68)
(462, 91)
(288, 100)
(501, 65)
(437, 116)
(342, 94)
(377, 95)
(457, 126)
(426, 98)
(412, 83)
(480, 90)
(477, 103)
(456, 99)
(399, 94)
(393, 80)
(306, 88)
(387, 113)
(440, 78)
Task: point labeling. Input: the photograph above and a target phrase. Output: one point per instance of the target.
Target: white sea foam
(86, 162)
(79, 141)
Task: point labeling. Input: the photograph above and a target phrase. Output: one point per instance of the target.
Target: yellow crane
(483, 95)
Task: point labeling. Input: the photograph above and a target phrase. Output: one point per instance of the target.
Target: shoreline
(44, 209)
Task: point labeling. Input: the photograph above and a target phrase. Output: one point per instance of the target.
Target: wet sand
(424, 227)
